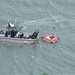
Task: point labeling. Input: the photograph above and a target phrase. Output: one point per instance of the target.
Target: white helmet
(12, 25)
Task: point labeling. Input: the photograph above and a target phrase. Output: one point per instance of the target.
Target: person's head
(12, 25)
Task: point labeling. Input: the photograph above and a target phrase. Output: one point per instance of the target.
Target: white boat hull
(18, 40)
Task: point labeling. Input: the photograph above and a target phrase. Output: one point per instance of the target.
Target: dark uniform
(34, 35)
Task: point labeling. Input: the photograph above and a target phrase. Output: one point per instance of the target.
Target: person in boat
(19, 35)
(10, 33)
(13, 33)
(11, 30)
(34, 35)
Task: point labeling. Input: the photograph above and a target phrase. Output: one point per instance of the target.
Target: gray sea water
(49, 16)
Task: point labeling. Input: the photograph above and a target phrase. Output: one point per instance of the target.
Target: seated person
(34, 35)
(11, 33)
(19, 35)
(12, 30)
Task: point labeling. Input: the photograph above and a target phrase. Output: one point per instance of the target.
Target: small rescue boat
(52, 38)
(16, 39)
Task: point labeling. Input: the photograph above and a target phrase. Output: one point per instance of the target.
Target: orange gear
(52, 38)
